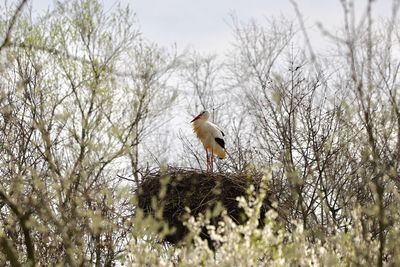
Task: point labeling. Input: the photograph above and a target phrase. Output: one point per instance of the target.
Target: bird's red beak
(195, 118)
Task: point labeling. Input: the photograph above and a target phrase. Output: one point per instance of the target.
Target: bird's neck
(199, 123)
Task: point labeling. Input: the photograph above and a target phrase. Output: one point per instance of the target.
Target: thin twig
(125, 178)
(12, 23)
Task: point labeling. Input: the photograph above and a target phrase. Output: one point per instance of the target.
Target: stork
(211, 136)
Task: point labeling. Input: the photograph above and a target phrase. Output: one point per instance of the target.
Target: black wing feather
(220, 142)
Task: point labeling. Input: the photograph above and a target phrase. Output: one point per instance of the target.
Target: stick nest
(198, 191)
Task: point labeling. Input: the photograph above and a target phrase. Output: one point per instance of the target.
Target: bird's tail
(226, 152)
(221, 153)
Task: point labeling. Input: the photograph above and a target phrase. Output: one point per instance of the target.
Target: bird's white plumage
(207, 132)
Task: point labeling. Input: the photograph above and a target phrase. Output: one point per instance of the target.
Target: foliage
(84, 96)
(271, 244)
(73, 113)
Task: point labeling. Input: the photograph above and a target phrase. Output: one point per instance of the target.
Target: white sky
(203, 24)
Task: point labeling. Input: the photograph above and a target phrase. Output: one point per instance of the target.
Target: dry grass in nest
(199, 191)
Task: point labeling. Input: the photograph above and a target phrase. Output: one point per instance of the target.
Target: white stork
(211, 136)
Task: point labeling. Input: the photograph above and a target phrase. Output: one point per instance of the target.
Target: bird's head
(204, 115)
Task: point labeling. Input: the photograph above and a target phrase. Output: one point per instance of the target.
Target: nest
(198, 191)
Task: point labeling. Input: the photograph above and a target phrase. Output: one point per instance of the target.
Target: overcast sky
(204, 24)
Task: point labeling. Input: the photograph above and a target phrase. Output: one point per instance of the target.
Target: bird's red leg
(208, 160)
(212, 161)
